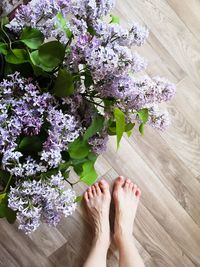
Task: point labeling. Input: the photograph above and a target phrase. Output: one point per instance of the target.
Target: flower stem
(8, 184)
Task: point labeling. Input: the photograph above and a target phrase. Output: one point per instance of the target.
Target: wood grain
(166, 165)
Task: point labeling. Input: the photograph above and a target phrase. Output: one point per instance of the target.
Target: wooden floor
(165, 165)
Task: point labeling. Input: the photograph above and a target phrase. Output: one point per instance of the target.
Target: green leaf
(10, 215)
(2, 197)
(141, 128)
(3, 48)
(88, 80)
(37, 66)
(64, 85)
(143, 115)
(92, 31)
(3, 207)
(62, 23)
(95, 127)
(88, 174)
(120, 124)
(129, 128)
(33, 38)
(51, 54)
(4, 21)
(17, 56)
(79, 149)
(92, 157)
(78, 199)
(115, 19)
(30, 144)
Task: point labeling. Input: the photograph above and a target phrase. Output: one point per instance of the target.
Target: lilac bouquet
(67, 82)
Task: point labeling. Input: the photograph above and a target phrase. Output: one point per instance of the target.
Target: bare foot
(126, 197)
(97, 199)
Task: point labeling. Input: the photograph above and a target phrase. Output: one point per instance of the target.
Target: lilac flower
(158, 119)
(99, 143)
(42, 200)
(137, 35)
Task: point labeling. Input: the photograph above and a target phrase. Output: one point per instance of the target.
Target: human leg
(97, 199)
(126, 197)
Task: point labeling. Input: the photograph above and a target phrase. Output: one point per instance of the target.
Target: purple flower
(44, 200)
(99, 143)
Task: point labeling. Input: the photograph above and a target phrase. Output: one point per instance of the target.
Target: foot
(97, 199)
(126, 196)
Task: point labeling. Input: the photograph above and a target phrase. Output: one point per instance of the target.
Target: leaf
(17, 56)
(91, 30)
(129, 128)
(62, 23)
(78, 199)
(3, 48)
(37, 66)
(79, 149)
(2, 197)
(143, 115)
(64, 85)
(3, 207)
(95, 127)
(10, 215)
(33, 38)
(115, 19)
(141, 128)
(51, 54)
(88, 80)
(4, 21)
(30, 144)
(88, 174)
(120, 124)
(92, 157)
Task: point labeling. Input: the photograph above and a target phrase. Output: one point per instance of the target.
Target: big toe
(103, 184)
(118, 183)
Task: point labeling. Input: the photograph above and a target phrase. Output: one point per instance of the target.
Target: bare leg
(126, 196)
(97, 199)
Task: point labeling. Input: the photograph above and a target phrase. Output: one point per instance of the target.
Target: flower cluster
(24, 111)
(45, 200)
(79, 87)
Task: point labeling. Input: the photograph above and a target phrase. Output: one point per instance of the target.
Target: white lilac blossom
(41, 201)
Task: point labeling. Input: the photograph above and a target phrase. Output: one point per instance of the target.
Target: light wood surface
(166, 165)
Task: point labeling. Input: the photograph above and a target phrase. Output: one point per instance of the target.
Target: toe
(90, 194)
(119, 182)
(86, 196)
(104, 186)
(98, 190)
(134, 189)
(94, 191)
(138, 192)
(131, 185)
(127, 183)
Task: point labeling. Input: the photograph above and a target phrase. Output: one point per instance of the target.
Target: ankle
(122, 238)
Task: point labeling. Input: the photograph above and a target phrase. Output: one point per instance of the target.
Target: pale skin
(126, 197)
